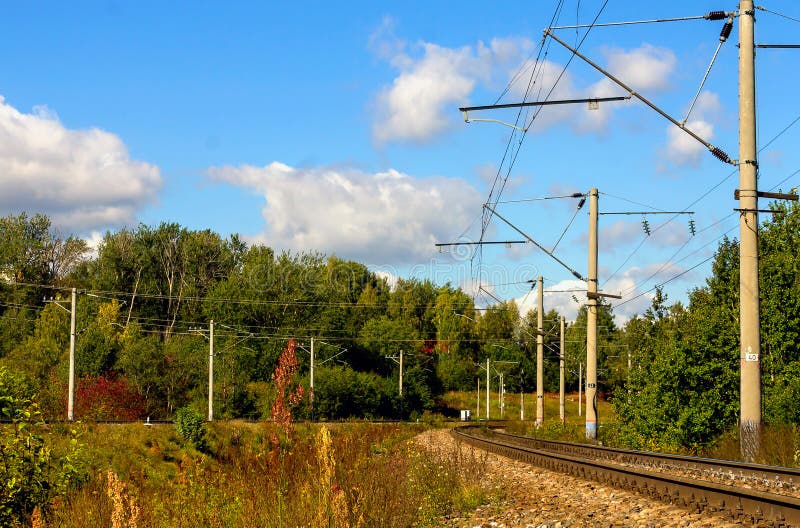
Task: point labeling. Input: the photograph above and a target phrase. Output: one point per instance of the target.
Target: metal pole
(750, 348)
(71, 386)
(521, 404)
(487, 388)
(211, 371)
(591, 322)
(561, 403)
(540, 354)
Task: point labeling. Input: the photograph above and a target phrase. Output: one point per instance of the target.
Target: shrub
(107, 398)
(191, 426)
(30, 475)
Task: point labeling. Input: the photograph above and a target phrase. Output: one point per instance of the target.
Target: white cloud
(421, 100)
(390, 278)
(618, 234)
(382, 218)
(93, 241)
(558, 298)
(646, 68)
(684, 150)
(82, 179)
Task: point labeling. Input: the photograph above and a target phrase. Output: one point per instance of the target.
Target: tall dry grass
(351, 475)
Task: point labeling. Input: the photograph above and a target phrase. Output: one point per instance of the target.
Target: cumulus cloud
(631, 284)
(684, 150)
(82, 179)
(646, 69)
(432, 80)
(430, 83)
(386, 217)
(558, 298)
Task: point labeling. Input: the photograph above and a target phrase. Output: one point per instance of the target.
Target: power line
(545, 45)
(700, 198)
(761, 8)
(542, 198)
(635, 22)
(665, 282)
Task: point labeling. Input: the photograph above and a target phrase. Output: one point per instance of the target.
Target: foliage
(341, 392)
(285, 396)
(351, 475)
(680, 360)
(108, 397)
(682, 391)
(30, 473)
(191, 425)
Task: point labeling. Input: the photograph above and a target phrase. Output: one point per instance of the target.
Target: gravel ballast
(537, 498)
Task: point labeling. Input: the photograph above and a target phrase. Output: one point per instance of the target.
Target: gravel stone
(532, 497)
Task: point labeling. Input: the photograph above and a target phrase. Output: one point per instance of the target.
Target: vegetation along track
(757, 494)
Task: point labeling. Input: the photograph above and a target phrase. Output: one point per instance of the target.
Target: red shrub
(107, 397)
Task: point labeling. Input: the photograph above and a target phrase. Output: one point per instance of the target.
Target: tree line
(147, 295)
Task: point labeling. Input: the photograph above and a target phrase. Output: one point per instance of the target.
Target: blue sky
(335, 127)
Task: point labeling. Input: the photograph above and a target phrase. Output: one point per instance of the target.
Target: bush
(191, 426)
(30, 475)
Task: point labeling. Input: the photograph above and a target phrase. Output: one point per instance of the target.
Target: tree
(679, 391)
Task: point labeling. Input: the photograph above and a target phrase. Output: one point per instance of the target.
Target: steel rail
(769, 476)
(742, 504)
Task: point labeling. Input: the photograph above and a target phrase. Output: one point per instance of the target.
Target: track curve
(646, 473)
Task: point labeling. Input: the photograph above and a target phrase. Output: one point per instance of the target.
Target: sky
(334, 127)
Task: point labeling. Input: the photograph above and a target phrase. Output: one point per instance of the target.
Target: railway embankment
(528, 496)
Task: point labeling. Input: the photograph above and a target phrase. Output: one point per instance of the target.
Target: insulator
(692, 228)
(726, 30)
(720, 154)
(583, 201)
(646, 226)
(576, 195)
(715, 15)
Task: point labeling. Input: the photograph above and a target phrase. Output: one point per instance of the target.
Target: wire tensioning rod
(535, 243)
(716, 151)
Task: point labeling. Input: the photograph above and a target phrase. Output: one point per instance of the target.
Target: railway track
(754, 494)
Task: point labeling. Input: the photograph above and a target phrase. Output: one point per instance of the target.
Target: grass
(467, 400)
(780, 446)
(780, 443)
(352, 474)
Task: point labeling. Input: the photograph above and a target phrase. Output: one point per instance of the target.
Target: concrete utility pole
(211, 370)
(311, 373)
(561, 403)
(401, 373)
(502, 402)
(580, 385)
(487, 388)
(540, 354)
(750, 347)
(71, 386)
(478, 402)
(591, 322)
